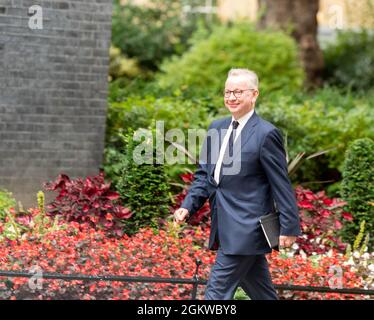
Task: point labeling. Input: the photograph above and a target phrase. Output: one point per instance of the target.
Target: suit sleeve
(273, 160)
(198, 191)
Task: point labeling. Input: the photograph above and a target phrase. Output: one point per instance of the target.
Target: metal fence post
(196, 278)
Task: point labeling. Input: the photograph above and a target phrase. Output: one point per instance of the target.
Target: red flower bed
(79, 249)
(82, 250)
(318, 271)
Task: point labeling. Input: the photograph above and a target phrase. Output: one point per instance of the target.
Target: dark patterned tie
(229, 148)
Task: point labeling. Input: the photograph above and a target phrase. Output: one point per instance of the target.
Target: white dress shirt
(242, 121)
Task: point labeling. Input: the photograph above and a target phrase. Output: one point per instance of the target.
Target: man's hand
(180, 215)
(286, 241)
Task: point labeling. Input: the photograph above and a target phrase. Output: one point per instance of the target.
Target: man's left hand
(286, 241)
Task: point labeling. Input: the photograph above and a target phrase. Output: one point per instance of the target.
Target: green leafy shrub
(170, 112)
(140, 86)
(143, 187)
(6, 202)
(202, 70)
(127, 77)
(114, 161)
(136, 112)
(154, 31)
(357, 187)
(350, 60)
(121, 66)
(327, 120)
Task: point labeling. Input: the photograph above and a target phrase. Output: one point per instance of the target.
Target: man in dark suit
(243, 172)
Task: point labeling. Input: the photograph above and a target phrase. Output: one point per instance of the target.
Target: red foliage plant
(88, 200)
(321, 220)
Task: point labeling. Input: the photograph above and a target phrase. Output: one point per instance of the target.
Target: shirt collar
(243, 120)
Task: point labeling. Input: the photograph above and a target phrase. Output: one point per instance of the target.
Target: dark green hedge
(357, 187)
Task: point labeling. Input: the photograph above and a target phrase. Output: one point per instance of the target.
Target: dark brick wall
(53, 91)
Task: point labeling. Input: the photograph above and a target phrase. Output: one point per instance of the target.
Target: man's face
(239, 106)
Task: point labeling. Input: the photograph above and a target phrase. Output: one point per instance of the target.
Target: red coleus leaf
(328, 202)
(111, 195)
(338, 203)
(326, 213)
(338, 224)
(187, 177)
(309, 195)
(104, 187)
(59, 183)
(108, 205)
(122, 213)
(91, 191)
(347, 216)
(305, 204)
(108, 224)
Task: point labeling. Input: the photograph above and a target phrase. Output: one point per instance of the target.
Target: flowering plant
(327, 270)
(80, 249)
(77, 246)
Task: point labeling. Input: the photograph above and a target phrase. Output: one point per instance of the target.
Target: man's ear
(256, 96)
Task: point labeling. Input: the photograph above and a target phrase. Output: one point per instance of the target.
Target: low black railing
(195, 281)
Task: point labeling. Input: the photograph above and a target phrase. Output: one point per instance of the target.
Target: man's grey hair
(250, 75)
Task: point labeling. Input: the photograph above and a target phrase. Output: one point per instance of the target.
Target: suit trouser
(249, 272)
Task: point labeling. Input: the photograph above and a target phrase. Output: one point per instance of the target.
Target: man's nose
(232, 96)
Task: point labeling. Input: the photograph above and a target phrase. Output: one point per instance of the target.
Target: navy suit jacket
(239, 200)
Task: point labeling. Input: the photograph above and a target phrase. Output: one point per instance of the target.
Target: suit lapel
(222, 129)
(245, 136)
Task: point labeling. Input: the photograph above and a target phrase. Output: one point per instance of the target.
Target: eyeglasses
(237, 93)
